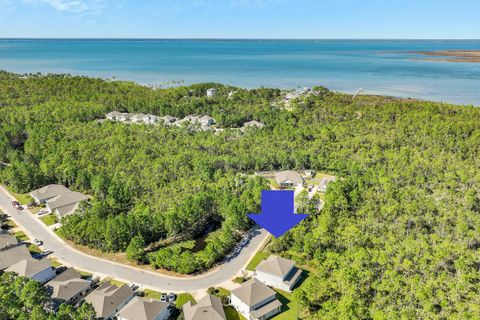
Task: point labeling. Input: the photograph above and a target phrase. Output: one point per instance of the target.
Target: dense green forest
(398, 237)
(24, 299)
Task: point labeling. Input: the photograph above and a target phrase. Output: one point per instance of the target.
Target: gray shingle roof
(143, 309)
(7, 241)
(29, 267)
(253, 292)
(289, 176)
(108, 297)
(68, 284)
(276, 266)
(50, 191)
(13, 255)
(207, 308)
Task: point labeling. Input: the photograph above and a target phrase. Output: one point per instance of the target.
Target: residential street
(34, 228)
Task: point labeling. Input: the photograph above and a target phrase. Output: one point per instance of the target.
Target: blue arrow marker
(277, 215)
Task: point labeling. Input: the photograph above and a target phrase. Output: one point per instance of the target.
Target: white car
(42, 212)
(37, 242)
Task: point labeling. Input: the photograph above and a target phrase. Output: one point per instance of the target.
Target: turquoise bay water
(377, 66)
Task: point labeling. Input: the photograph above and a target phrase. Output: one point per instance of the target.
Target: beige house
(145, 309)
(68, 287)
(278, 272)
(58, 199)
(289, 179)
(255, 301)
(108, 299)
(254, 124)
(207, 308)
(38, 270)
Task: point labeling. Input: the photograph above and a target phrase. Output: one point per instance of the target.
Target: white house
(278, 272)
(150, 119)
(145, 309)
(168, 120)
(206, 121)
(113, 116)
(289, 179)
(137, 118)
(212, 92)
(255, 301)
(108, 299)
(207, 308)
(38, 270)
(124, 117)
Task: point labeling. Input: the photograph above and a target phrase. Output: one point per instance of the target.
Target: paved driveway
(34, 228)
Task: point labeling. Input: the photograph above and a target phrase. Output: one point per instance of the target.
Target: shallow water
(377, 66)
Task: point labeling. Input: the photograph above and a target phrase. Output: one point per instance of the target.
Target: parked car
(37, 242)
(17, 205)
(47, 252)
(42, 212)
(163, 297)
(172, 297)
(31, 205)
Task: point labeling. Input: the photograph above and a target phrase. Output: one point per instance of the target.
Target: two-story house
(255, 301)
(278, 272)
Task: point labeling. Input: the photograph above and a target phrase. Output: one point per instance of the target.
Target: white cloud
(71, 6)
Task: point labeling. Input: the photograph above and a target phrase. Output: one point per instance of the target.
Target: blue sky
(241, 18)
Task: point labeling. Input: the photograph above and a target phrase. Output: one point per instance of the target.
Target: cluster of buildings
(198, 122)
(291, 179)
(205, 122)
(58, 199)
(110, 301)
(254, 299)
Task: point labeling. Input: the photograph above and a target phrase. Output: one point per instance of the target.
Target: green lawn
(55, 262)
(183, 298)
(21, 236)
(289, 306)
(114, 282)
(33, 248)
(232, 314)
(22, 198)
(49, 220)
(150, 294)
(259, 257)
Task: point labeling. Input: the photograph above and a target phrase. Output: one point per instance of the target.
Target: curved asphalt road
(34, 228)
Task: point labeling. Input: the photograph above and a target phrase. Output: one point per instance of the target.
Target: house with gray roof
(38, 270)
(68, 287)
(46, 193)
(145, 309)
(124, 117)
(13, 256)
(108, 299)
(7, 241)
(65, 204)
(150, 119)
(113, 116)
(289, 179)
(207, 308)
(278, 272)
(255, 301)
(137, 118)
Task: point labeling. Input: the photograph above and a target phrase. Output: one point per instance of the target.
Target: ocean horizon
(378, 66)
